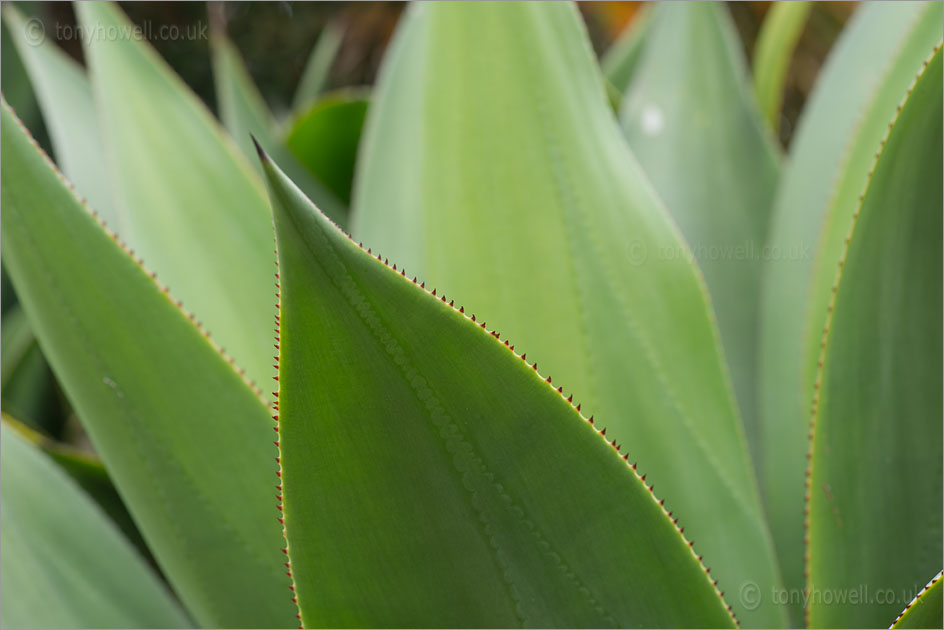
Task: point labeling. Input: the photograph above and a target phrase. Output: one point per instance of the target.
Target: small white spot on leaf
(651, 120)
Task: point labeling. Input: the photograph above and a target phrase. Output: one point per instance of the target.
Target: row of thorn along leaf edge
(511, 348)
(817, 384)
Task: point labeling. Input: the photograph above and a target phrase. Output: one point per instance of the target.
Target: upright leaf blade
(189, 202)
(876, 449)
(65, 98)
(846, 117)
(318, 67)
(432, 478)
(690, 117)
(187, 442)
(492, 166)
(64, 564)
(620, 61)
(776, 42)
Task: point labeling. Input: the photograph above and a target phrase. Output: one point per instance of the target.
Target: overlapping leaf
(778, 37)
(431, 477)
(187, 199)
(64, 564)
(874, 488)
(690, 116)
(846, 116)
(188, 443)
(493, 166)
(925, 610)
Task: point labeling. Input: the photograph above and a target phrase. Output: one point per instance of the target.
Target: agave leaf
(188, 200)
(187, 442)
(692, 120)
(493, 166)
(875, 472)
(14, 79)
(65, 98)
(468, 492)
(925, 610)
(318, 67)
(846, 116)
(244, 112)
(64, 564)
(326, 137)
(621, 59)
(773, 51)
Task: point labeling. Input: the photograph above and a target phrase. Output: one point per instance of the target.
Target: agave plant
(745, 347)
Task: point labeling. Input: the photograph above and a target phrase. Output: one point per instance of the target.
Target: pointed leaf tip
(262, 154)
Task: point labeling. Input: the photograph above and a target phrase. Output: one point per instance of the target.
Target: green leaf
(925, 610)
(773, 51)
(875, 472)
(325, 139)
(14, 79)
(27, 389)
(65, 98)
(621, 59)
(187, 199)
(188, 443)
(690, 117)
(318, 68)
(64, 564)
(846, 117)
(493, 167)
(459, 488)
(244, 112)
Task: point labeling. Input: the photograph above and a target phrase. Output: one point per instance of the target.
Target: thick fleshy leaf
(433, 478)
(188, 201)
(690, 116)
(14, 79)
(325, 140)
(925, 610)
(65, 98)
(186, 441)
(773, 51)
(245, 114)
(875, 472)
(318, 67)
(860, 86)
(64, 564)
(493, 166)
(620, 61)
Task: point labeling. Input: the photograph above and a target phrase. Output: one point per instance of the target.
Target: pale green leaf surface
(325, 139)
(692, 121)
(245, 114)
(65, 98)
(859, 88)
(189, 202)
(620, 60)
(925, 610)
(493, 168)
(318, 67)
(875, 472)
(432, 478)
(64, 564)
(773, 51)
(187, 442)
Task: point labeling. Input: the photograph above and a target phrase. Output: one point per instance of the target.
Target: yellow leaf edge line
(251, 385)
(814, 411)
(511, 348)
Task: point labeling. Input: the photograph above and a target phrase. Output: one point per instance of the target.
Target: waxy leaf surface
(187, 442)
(875, 472)
(493, 166)
(433, 478)
(867, 74)
(64, 563)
